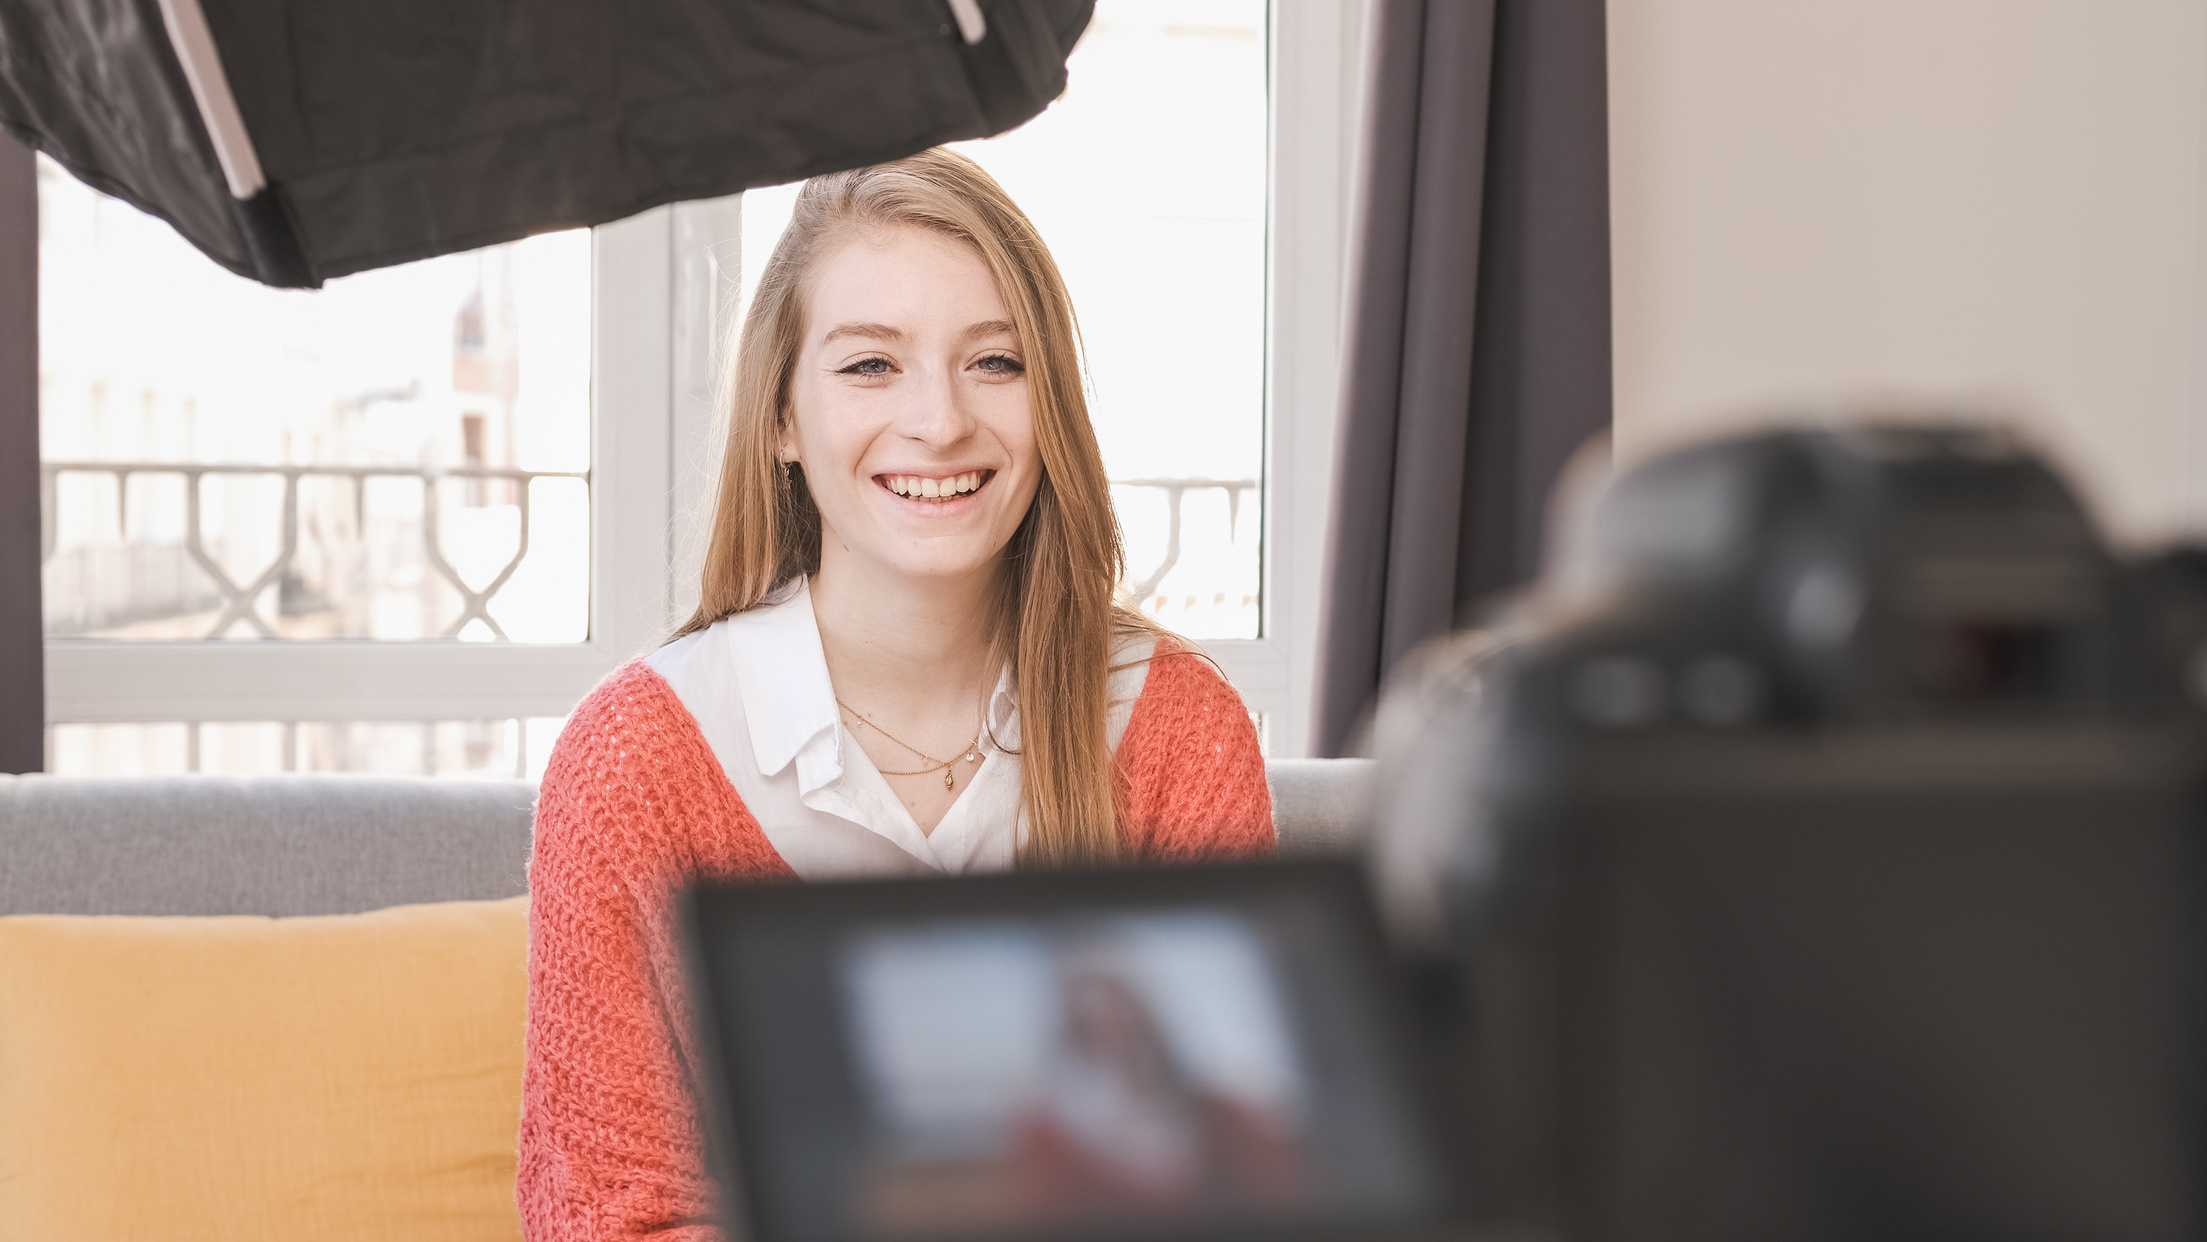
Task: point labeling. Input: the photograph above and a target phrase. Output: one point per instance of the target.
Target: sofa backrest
(1318, 804)
(290, 845)
(278, 845)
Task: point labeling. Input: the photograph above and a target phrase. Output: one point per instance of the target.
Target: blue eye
(867, 366)
(1001, 365)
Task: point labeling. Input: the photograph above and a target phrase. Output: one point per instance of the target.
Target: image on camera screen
(1200, 1054)
(1024, 1075)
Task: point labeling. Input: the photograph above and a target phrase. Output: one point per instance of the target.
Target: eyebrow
(871, 331)
(883, 332)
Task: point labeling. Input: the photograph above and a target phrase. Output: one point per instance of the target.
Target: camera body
(1823, 862)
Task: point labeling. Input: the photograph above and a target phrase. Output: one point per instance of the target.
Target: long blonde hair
(1058, 612)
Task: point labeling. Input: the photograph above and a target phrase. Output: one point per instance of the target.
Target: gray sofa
(291, 845)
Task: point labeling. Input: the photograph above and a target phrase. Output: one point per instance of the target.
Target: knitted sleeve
(609, 1142)
(1193, 772)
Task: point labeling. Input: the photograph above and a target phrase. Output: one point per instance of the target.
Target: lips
(935, 488)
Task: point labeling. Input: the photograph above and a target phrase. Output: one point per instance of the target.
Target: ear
(786, 449)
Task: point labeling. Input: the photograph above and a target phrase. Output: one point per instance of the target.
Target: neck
(904, 645)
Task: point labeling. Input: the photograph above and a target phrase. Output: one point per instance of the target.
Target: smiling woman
(914, 433)
(910, 655)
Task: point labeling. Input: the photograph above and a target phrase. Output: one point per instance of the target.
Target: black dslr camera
(1823, 862)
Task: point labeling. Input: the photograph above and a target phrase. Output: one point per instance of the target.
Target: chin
(945, 567)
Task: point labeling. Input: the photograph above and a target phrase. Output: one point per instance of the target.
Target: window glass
(403, 454)
(1148, 180)
(480, 748)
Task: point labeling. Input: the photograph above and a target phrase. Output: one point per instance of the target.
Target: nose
(936, 414)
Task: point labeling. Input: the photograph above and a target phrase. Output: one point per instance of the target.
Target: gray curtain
(1477, 347)
(22, 649)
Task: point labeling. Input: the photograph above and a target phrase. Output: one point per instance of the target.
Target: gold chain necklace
(972, 755)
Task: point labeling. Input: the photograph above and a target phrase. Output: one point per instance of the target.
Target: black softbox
(298, 140)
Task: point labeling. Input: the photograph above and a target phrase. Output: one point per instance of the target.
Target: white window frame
(632, 267)
(661, 291)
(1316, 65)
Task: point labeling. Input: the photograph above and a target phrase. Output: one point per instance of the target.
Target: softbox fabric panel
(94, 84)
(404, 129)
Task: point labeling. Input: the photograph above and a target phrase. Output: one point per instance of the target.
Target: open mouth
(935, 490)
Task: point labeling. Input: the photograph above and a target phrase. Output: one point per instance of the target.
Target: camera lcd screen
(1202, 1052)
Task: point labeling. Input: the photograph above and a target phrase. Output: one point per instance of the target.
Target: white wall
(1993, 203)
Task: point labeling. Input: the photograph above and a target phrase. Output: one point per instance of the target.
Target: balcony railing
(1176, 490)
(233, 601)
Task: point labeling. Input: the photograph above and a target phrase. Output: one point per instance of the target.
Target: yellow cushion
(345, 1077)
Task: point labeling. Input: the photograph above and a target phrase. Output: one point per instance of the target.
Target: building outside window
(402, 522)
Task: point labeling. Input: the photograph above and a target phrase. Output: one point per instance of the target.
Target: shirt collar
(788, 699)
(1003, 719)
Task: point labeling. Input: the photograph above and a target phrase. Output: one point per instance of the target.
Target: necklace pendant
(947, 781)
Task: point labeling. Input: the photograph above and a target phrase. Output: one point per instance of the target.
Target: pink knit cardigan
(633, 803)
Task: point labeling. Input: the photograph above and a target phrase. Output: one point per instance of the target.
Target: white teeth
(919, 488)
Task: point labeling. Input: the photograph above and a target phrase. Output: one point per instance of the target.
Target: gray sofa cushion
(278, 845)
(1318, 804)
(287, 845)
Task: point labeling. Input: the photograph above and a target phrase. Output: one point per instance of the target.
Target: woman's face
(909, 407)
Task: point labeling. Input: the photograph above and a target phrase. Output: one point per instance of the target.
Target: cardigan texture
(633, 805)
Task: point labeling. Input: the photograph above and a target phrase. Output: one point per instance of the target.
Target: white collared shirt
(757, 684)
